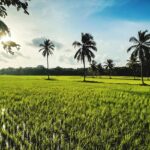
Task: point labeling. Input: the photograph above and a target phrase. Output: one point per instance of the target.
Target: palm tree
(140, 48)
(47, 49)
(132, 63)
(100, 69)
(147, 68)
(94, 67)
(109, 64)
(86, 46)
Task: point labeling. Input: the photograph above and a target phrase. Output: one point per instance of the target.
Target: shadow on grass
(90, 81)
(130, 84)
(114, 78)
(144, 84)
(98, 82)
(51, 79)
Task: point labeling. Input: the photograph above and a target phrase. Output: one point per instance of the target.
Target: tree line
(95, 71)
(140, 56)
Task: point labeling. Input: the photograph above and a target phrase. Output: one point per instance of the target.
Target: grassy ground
(66, 113)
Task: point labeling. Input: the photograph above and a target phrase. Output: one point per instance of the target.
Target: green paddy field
(68, 114)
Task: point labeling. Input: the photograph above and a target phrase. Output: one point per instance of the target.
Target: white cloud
(3, 60)
(62, 22)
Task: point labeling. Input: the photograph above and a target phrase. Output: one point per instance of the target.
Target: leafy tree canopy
(19, 4)
(9, 45)
(4, 30)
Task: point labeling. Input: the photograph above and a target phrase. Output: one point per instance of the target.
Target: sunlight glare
(6, 38)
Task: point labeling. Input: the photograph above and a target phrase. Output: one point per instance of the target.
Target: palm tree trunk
(134, 74)
(84, 68)
(47, 67)
(142, 73)
(109, 74)
(148, 75)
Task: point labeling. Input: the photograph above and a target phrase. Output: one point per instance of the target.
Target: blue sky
(111, 22)
(135, 10)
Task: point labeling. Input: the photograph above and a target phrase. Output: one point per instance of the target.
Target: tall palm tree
(47, 49)
(86, 46)
(140, 48)
(132, 63)
(109, 64)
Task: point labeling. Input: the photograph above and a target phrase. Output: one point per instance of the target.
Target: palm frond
(91, 54)
(77, 53)
(76, 44)
(147, 38)
(92, 47)
(4, 30)
(41, 45)
(133, 39)
(132, 47)
(135, 53)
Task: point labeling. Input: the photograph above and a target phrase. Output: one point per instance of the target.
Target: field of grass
(66, 113)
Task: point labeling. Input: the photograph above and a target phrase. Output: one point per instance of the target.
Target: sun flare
(5, 39)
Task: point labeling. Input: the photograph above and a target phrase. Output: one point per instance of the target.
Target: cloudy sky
(111, 22)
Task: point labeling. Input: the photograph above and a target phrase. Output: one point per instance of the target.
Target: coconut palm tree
(100, 69)
(94, 67)
(109, 64)
(47, 48)
(132, 63)
(141, 48)
(86, 46)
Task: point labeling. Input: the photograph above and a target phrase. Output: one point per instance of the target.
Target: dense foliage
(67, 114)
(19, 4)
(40, 70)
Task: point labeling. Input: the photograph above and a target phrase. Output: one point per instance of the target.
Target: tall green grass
(65, 113)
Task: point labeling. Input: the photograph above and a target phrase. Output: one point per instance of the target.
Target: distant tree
(146, 68)
(100, 69)
(86, 46)
(132, 64)
(109, 64)
(40, 67)
(94, 67)
(146, 64)
(140, 48)
(47, 49)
